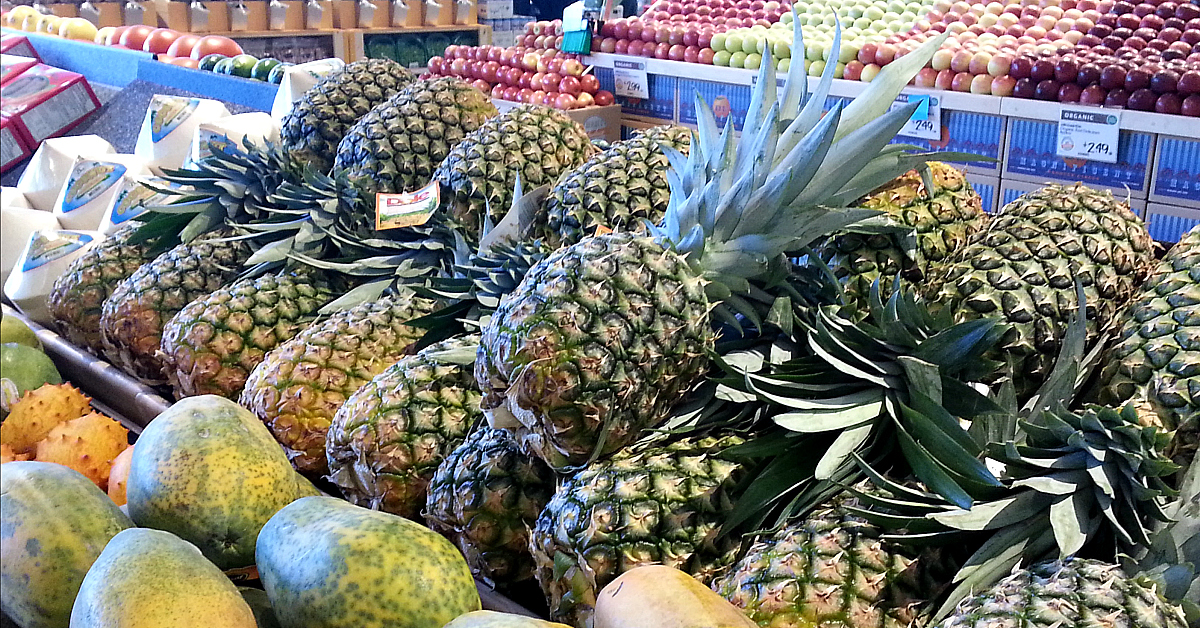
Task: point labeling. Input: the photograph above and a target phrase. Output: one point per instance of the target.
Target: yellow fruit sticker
(167, 113)
(47, 246)
(394, 211)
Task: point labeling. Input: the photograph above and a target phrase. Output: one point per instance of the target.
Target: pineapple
(534, 143)
(78, 296)
(834, 569)
(1158, 358)
(616, 189)
(943, 222)
(211, 345)
(663, 504)
(397, 146)
(1068, 593)
(386, 441)
(603, 336)
(301, 384)
(1023, 267)
(320, 119)
(485, 496)
(133, 318)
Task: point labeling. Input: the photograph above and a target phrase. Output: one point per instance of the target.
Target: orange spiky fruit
(87, 444)
(32, 418)
(8, 455)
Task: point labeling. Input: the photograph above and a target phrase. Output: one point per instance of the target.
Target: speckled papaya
(492, 619)
(153, 579)
(54, 522)
(208, 471)
(326, 563)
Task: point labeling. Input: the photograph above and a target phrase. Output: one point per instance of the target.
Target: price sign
(631, 80)
(1089, 133)
(926, 121)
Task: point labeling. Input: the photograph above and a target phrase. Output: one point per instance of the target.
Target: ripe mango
(55, 524)
(324, 562)
(657, 596)
(153, 579)
(208, 471)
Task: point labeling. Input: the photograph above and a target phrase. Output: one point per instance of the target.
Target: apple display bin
(134, 405)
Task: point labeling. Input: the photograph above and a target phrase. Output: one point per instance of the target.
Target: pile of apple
(519, 74)
(681, 31)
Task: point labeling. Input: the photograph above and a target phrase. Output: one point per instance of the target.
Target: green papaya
(55, 523)
(208, 471)
(154, 579)
(326, 563)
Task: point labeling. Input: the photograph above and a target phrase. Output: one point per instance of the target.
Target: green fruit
(154, 579)
(55, 523)
(13, 329)
(209, 62)
(492, 619)
(209, 471)
(261, 70)
(324, 562)
(23, 369)
(260, 605)
(242, 65)
(223, 66)
(275, 76)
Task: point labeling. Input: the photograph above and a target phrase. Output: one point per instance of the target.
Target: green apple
(895, 26)
(721, 57)
(830, 20)
(753, 42)
(733, 42)
(737, 60)
(782, 49)
(752, 61)
(838, 70)
(718, 42)
(873, 12)
(783, 65)
(816, 68)
(786, 18)
(848, 53)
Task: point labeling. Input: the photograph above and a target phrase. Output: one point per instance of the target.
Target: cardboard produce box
(601, 123)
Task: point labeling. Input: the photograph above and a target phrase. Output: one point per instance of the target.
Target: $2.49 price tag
(631, 80)
(926, 121)
(1088, 133)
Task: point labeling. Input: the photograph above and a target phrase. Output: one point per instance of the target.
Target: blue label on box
(1031, 151)
(660, 105)
(1178, 174)
(964, 132)
(1169, 228)
(728, 102)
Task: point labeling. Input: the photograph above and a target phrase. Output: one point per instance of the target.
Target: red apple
(570, 85)
(604, 98)
(585, 100)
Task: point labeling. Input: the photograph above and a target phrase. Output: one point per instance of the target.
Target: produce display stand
(1158, 166)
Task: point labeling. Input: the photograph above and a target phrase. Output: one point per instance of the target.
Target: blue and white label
(1088, 133)
(631, 80)
(926, 121)
(88, 181)
(45, 247)
(167, 113)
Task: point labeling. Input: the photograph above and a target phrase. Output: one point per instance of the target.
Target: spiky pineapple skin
(1023, 266)
(301, 384)
(535, 143)
(833, 569)
(319, 120)
(484, 497)
(134, 316)
(663, 505)
(1073, 593)
(943, 222)
(1158, 356)
(211, 345)
(398, 145)
(594, 346)
(77, 299)
(386, 441)
(617, 188)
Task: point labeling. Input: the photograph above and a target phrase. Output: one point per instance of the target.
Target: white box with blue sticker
(1176, 178)
(1031, 151)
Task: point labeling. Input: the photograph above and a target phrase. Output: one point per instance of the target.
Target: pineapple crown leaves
(858, 388)
(736, 207)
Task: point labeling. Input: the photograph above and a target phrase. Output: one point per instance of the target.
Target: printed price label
(393, 211)
(926, 121)
(1089, 133)
(631, 80)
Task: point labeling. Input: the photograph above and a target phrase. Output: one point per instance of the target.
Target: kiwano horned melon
(210, 472)
(325, 563)
(153, 579)
(8, 455)
(55, 523)
(87, 444)
(32, 418)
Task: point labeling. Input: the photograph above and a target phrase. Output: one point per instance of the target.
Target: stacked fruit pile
(798, 370)
(518, 74)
